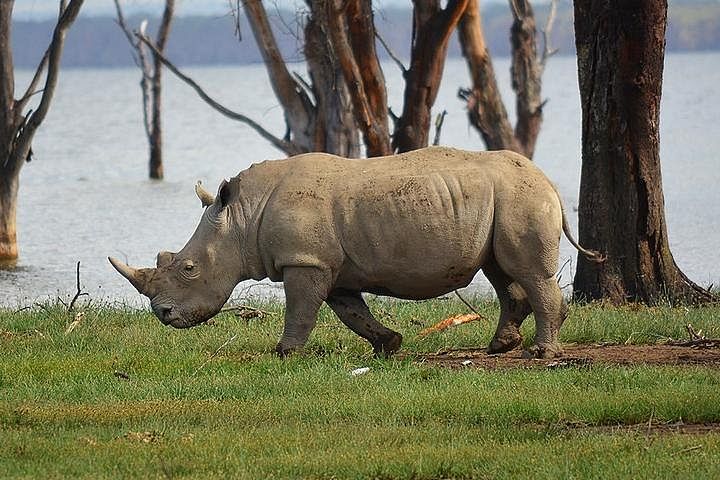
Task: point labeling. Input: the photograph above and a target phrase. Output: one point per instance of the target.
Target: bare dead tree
(18, 126)
(352, 33)
(151, 82)
(432, 26)
(486, 110)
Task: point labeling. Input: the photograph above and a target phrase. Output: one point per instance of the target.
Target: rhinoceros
(414, 226)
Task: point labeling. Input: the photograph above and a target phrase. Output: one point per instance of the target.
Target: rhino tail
(592, 255)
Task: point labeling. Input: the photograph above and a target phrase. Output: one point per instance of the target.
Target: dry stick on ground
(468, 305)
(247, 312)
(227, 342)
(79, 293)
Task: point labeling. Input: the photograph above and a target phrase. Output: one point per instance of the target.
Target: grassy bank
(122, 396)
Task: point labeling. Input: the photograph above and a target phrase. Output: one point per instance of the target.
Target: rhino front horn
(205, 197)
(134, 276)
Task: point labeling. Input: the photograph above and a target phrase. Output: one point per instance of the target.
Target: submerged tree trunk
(151, 83)
(17, 127)
(621, 211)
(156, 158)
(8, 214)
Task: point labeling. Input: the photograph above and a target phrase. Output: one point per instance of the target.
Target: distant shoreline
(97, 42)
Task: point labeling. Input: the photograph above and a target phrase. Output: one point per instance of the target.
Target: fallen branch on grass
(246, 312)
(697, 340)
(227, 342)
(451, 322)
(75, 323)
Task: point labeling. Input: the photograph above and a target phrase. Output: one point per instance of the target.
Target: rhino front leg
(305, 290)
(354, 313)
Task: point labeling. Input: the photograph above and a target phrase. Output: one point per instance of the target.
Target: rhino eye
(189, 267)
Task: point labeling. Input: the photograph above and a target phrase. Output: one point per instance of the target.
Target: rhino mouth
(168, 315)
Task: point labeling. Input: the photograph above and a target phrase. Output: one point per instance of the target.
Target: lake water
(86, 195)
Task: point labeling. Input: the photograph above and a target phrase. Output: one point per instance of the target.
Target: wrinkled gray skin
(413, 226)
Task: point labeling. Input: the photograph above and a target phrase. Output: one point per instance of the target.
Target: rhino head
(189, 287)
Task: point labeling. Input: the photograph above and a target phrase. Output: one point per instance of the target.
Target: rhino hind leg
(550, 310)
(354, 313)
(305, 290)
(514, 309)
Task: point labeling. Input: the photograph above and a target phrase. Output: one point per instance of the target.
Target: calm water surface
(85, 195)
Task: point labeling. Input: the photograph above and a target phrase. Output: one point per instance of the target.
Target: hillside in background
(98, 42)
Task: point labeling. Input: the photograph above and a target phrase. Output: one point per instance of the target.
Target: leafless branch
(123, 26)
(390, 53)
(467, 304)
(30, 91)
(546, 32)
(235, 12)
(288, 147)
(438, 126)
(68, 14)
(141, 60)
(79, 293)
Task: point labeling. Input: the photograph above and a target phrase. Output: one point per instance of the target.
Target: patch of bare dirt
(690, 353)
(653, 428)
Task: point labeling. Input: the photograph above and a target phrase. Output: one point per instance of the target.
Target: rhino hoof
(388, 345)
(543, 351)
(505, 344)
(283, 351)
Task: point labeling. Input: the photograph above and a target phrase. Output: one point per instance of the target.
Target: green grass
(187, 410)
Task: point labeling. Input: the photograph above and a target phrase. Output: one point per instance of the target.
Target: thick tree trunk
(8, 209)
(349, 26)
(336, 131)
(621, 211)
(431, 32)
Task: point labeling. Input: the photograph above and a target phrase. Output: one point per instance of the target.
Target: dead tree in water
(345, 96)
(486, 110)
(18, 125)
(151, 82)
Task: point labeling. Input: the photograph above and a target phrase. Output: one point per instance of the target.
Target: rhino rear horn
(206, 198)
(138, 278)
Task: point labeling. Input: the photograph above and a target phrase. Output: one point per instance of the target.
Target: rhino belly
(415, 260)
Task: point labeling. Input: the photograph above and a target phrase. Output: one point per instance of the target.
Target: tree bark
(486, 110)
(18, 128)
(620, 49)
(431, 32)
(526, 76)
(8, 214)
(352, 34)
(336, 130)
(485, 107)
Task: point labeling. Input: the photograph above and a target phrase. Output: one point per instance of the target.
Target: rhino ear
(223, 195)
(206, 198)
